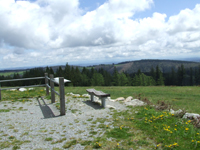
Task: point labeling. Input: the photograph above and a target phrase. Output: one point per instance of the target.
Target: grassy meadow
(137, 127)
(11, 73)
(185, 97)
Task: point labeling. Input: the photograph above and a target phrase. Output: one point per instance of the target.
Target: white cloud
(48, 31)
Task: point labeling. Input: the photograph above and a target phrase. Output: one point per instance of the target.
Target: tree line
(100, 77)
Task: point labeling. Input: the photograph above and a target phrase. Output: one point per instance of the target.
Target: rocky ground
(37, 124)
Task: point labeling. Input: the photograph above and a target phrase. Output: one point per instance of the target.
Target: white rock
(12, 90)
(175, 112)
(120, 99)
(77, 95)
(110, 107)
(86, 95)
(191, 115)
(31, 89)
(22, 89)
(135, 102)
(112, 100)
(128, 99)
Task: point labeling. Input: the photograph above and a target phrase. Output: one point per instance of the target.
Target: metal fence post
(46, 82)
(52, 88)
(62, 95)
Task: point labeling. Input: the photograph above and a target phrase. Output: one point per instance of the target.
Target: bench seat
(99, 94)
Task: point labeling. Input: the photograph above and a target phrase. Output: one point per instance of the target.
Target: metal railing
(51, 86)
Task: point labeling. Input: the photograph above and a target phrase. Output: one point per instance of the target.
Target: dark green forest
(100, 77)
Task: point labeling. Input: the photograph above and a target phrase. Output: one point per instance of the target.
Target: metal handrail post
(52, 89)
(46, 83)
(62, 95)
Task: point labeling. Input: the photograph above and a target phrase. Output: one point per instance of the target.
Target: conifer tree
(116, 77)
(97, 79)
(159, 77)
(173, 77)
(67, 72)
(152, 73)
(123, 79)
(181, 75)
(191, 76)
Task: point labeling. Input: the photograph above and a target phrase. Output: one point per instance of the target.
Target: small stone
(86, 95)
(128, 99)
(120, 99)
(110, 107)
(22, 89)
(190, 116)
(135, 102)
(12, 89)
(176, 112)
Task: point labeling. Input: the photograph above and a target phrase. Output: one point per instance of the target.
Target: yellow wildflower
(175, 144)
(186, 129)
(158, 145)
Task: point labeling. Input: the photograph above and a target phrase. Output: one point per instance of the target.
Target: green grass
(12, 141)
(11, 73)
(186, 97)
(59, 141)
(48, 139)
(18, 96)
(168, 131)
(70, 143)
(4, 110)
(138, 127)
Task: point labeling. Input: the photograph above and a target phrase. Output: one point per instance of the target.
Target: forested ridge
(93, 76)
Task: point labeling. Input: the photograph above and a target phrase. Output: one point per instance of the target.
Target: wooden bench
(99, 94)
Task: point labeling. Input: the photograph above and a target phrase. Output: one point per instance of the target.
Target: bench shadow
(94, 104)
(46, 110)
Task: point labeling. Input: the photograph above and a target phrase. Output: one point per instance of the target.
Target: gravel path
(38, 122)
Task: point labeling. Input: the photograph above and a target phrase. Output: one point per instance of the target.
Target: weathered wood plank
(62, 96)
(97, 93)
(52, 89)
(46, 83)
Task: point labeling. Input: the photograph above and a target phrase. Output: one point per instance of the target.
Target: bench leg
(103, 102)
(92, 97)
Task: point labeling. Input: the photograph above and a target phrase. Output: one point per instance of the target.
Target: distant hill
(146, 65)
(128, 66)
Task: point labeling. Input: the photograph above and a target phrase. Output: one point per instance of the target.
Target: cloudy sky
(51, 32)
